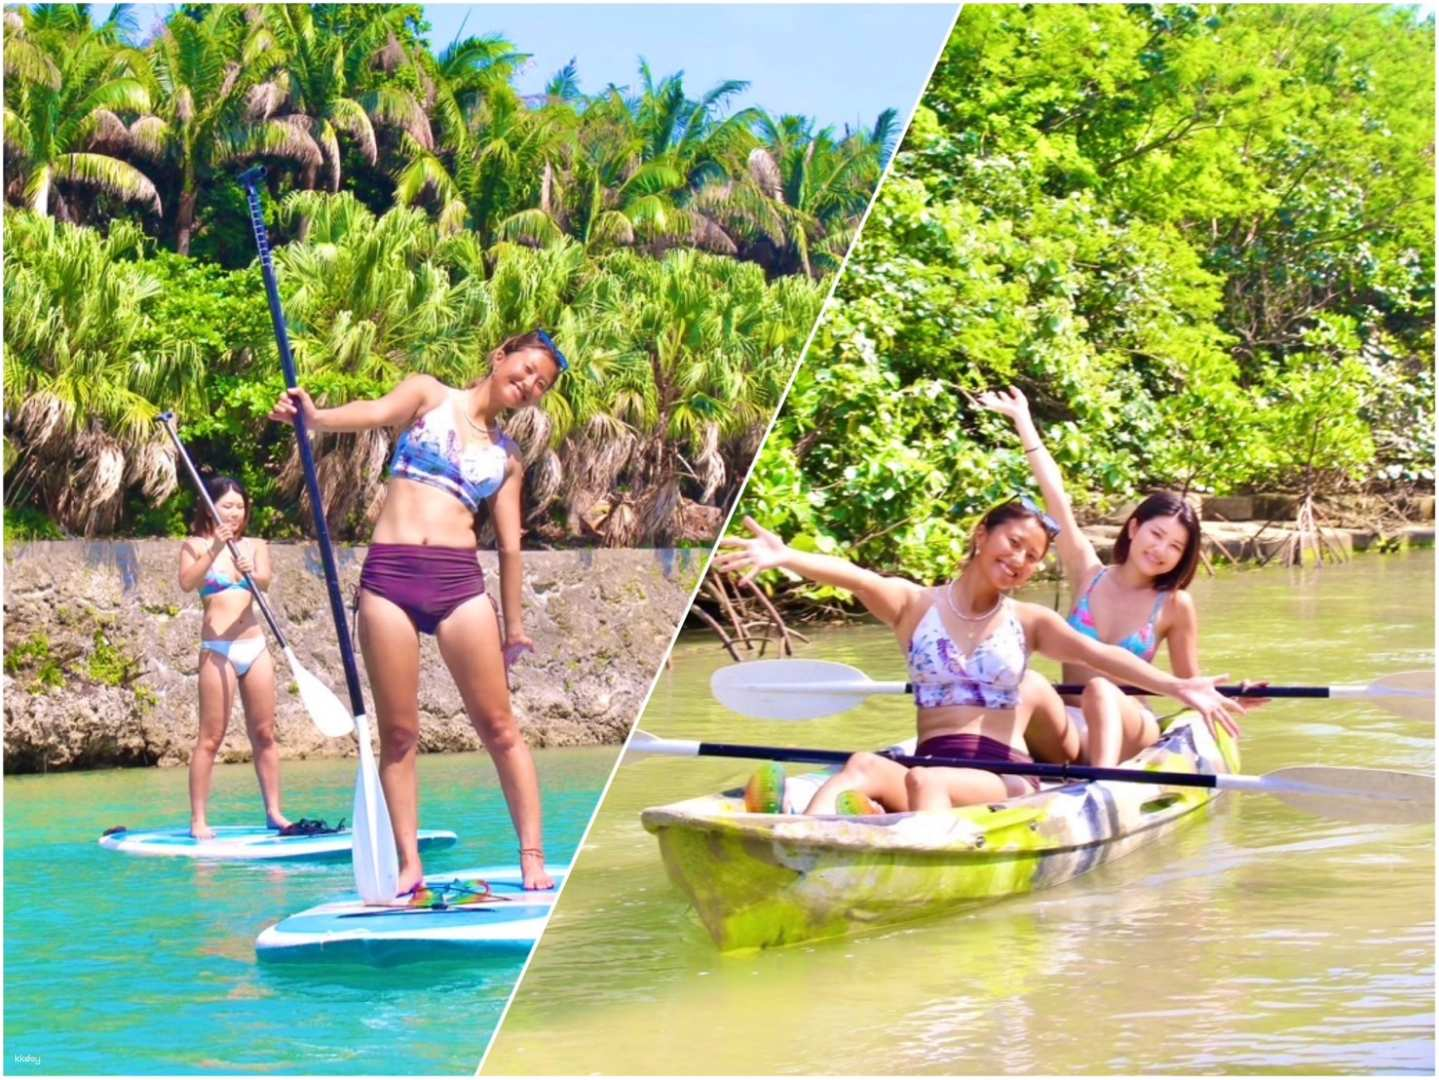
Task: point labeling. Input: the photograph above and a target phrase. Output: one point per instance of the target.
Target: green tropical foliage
(1200, 239)
(423, 211)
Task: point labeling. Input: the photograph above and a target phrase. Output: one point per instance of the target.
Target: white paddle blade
(793, 689)
(376, 864)
(1378, 796)
(642, 742)
(325, 709)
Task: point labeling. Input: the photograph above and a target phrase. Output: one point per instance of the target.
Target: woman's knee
(918, 781)
(863, 766)
(1100, 693)
(262, 733)
(398, 741)
(208, 742)
(497, 729)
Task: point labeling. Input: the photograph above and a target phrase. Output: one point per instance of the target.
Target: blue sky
(839, 63)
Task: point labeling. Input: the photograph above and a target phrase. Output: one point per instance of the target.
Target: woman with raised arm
(1137, 603)
(968, 646)
(233, 658)
(422, 574)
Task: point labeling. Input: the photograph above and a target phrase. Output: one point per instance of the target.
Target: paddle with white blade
(320, 702)
(809, 689)
(376, 862)
(1378, 796)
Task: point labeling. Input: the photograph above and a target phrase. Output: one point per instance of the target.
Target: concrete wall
(107, 622)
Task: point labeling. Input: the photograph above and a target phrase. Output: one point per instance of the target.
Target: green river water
(1257, 939)
(119, 964)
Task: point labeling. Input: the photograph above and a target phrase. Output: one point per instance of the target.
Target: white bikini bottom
(242, 652)
(1076, 717)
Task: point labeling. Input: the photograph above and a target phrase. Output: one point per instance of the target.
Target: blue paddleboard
(250, 843)
(469, 912)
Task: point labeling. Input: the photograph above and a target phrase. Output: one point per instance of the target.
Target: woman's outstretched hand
(764, 552)
(1199, 694)
(291, 402)
(1011, 403)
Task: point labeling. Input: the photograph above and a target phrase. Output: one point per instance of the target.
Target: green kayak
(760, 880)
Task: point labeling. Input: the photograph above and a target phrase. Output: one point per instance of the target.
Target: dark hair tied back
(1013, 510)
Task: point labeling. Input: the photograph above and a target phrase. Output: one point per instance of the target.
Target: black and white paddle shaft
(1379, 796)
(320, 702)
(375, 859)
(809, 689)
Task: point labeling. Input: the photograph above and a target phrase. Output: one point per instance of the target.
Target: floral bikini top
(988, 677)
(1143, 643)
(431, 452)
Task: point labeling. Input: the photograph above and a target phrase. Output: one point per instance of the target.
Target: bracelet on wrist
(1032, 449)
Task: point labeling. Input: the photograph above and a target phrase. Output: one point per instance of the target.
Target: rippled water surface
(119, 964)
(1257, 939)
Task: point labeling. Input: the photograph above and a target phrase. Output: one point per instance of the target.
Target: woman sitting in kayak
(1137, 603)
(233, 655)
(422, 574)
(968, 647)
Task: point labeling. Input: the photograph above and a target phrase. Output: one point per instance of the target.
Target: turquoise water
(120, 964)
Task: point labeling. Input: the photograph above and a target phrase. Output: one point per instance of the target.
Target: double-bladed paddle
(1378, 796)
(376, 863)
(809, 689)
(324, 708)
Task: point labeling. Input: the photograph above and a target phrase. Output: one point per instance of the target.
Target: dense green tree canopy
(676, 242)
(1201, 239)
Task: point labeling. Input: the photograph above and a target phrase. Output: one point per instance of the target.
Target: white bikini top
(988, 677)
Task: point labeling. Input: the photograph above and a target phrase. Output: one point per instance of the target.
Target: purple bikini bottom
(427, 583)
(977, 747)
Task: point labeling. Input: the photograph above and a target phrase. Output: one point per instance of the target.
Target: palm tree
(637, 161)
(798, 204)
(69, 88)
(462, 84)
(82, 372)
(201, 70)
(326, 81)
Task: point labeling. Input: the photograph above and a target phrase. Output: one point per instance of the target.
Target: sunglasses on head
(549, 343)
(1019, 498)
(1050, 526)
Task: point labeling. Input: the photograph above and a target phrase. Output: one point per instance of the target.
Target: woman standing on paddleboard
(968, 647)
(233, 655)
(1137, 603)
(422, 574)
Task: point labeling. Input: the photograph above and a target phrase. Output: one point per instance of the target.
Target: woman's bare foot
(532, 869)
(200, 831)
(276, 820)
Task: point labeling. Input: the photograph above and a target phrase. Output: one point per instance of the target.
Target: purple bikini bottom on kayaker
(977, 747)
(427, 583)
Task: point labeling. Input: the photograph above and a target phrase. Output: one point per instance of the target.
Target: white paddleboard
(478, 911)
(250, 843)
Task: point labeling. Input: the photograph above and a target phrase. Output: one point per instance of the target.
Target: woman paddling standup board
(968, 647)
(233, 655)
(422, 575)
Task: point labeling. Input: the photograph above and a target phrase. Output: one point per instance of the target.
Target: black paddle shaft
(1064, 773)
(168, 419)
(251, 180)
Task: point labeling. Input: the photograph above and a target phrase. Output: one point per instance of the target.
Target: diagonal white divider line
(724, 528)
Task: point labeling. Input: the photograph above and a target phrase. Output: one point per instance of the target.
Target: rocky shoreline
(101, 651)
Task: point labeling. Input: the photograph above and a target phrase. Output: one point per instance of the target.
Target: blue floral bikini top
(431, 452)
(218, 582)
(988, 677)
(1143, 643)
